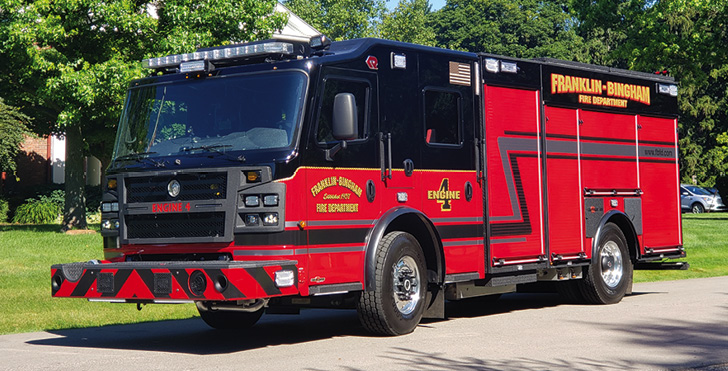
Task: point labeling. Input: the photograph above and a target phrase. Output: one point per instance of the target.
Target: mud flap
(435, 302)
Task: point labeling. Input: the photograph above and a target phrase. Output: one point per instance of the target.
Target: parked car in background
(718, 205)
(699, 200)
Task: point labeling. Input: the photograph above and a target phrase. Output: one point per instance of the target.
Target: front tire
(697, 208)
(396, 305)
(609, 275)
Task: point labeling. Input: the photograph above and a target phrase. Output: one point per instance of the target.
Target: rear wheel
(697, 208)
(230, 320)
(396, 305)
(609, 275)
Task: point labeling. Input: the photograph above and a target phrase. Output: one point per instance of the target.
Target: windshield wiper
(139, 157)
(214, 148)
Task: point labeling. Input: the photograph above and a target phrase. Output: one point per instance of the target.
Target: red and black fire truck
(383, 176)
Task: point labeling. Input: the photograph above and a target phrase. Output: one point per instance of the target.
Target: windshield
(237, 113)
(698, 191)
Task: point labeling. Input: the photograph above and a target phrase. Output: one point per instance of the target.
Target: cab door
(341, 178)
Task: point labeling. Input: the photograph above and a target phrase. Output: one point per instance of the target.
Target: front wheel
(697, 208)
(396, 305)
(609, 275)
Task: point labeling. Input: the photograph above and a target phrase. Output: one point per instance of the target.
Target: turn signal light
(253, 176)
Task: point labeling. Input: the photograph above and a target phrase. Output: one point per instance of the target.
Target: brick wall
(32, 162)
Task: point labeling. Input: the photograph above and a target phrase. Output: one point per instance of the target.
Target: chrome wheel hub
(612, 268)
(406, 285)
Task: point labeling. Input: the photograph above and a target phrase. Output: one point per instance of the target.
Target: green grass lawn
(705, 237)
(26, 256)
(27, 253)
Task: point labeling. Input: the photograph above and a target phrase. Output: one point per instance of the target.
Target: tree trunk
(74, 213)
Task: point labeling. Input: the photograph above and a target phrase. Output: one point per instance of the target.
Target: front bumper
(173, 281)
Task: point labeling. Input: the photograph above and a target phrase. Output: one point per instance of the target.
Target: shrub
(4, 209)
(53, 194)
(35, 211)
(56, 197)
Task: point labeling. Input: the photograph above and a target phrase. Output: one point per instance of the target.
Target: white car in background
(699, 200)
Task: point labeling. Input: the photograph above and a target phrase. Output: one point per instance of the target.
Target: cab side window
(333, 86)
(442, 118)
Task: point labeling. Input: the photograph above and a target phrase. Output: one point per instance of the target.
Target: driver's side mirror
(345, 125)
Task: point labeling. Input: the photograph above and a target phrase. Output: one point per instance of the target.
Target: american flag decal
(459, 73)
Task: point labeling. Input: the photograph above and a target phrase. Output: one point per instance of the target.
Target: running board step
(656, 266)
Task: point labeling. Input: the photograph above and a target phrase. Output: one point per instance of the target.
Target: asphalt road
(664, 325)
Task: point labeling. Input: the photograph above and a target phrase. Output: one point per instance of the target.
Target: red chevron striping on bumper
(172, 280)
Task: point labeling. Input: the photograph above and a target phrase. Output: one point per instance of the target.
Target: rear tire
(396, 305)
(609, 275)
(230, 320)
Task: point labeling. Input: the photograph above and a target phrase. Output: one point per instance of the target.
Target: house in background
(42, 160)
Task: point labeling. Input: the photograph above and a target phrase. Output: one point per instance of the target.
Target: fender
(624, 221)
(382, 226)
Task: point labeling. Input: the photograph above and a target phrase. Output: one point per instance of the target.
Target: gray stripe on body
(262, 252)
(462, 243)
(327, 223)
(506, 240)
(513, 144)
(456, 220)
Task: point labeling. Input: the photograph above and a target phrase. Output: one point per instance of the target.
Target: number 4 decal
(444, 195)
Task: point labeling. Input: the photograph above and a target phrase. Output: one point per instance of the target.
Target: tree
(408, 22)
(516, 28)
(69, 62)
(686, 38)
(341, 19)
(12, 131)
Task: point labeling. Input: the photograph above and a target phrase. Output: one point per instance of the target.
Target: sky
(436, 4)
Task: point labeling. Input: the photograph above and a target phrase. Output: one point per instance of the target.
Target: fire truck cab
(382, 176)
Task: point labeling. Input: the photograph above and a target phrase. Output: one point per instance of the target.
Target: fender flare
(606, 218)
(377, 233)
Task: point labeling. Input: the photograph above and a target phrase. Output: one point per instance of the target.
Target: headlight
(251, 219)
(110, 224)
(252, 201)
(108, 207)
(270, 200)
(270, 219)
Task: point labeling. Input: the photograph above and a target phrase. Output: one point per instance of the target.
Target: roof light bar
(217, 54)
(509, 67)
(492, 65)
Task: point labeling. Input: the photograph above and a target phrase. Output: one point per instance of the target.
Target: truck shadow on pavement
(194, 337)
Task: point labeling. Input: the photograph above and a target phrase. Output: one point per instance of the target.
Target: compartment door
(514, 174)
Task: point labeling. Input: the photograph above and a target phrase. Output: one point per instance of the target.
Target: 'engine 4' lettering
(170, 207)
(444, 195)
